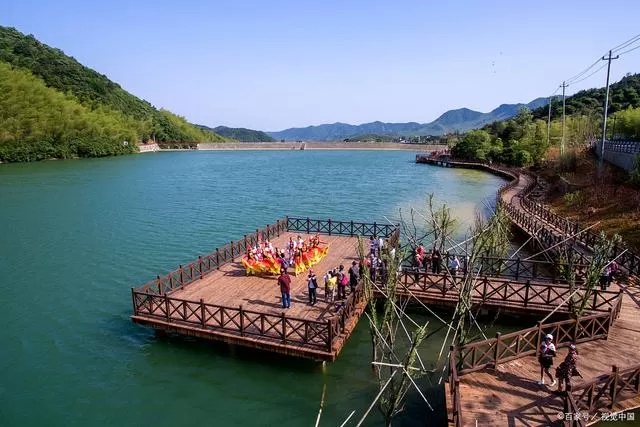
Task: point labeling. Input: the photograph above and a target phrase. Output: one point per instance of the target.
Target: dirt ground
(587, 196)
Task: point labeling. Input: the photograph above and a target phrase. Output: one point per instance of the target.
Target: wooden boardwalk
(494, 382)
(510, 396)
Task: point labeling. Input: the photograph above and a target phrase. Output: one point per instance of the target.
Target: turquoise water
(75, 236)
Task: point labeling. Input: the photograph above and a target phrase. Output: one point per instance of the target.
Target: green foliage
(240, 134)
(626, 124)
(575, 198)
(520, 141)
(90, 90)
(37, 122)
(623, 94)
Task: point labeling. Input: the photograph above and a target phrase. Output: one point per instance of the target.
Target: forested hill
(35, 77)
(622, 95)
(241, 134)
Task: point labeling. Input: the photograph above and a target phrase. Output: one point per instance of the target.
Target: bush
(575, 198)
(568, 161)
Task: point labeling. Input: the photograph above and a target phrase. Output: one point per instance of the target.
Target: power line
(626, 51)
(626, 43)
(586, 77)
(571, 79)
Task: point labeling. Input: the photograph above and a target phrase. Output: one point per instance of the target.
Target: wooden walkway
(507, 392)
(510, 395)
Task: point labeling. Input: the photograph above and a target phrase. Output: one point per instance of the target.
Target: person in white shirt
(547, 353)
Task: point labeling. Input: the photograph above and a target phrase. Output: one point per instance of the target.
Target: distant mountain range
(462, 119)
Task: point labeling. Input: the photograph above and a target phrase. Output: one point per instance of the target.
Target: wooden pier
(213, 298)
(494, 382)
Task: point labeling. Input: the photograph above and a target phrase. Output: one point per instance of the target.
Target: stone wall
(620, 153)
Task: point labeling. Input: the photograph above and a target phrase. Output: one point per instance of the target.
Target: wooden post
(613, 388)
(241, 321)
(200, 266)
(245, 242)
(527, 286)
(217, 258)
(497, 351)
(166, 307)
(329, 336)
(233, 258)
(133, 298)
(351, 229)
(375, 229)
(159, 283)
(538, 338)
(329, 226)
(284, 329)
(308, 224)
(202, 312)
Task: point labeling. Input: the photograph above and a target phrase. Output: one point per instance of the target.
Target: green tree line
(89, 92)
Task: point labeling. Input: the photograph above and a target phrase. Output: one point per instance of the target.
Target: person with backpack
(547, 353)
(331, 282)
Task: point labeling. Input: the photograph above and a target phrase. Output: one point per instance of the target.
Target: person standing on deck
(285, 288)
(567, 369)
(436, 260)
(354, 276)
(547, 353)
(312, 284)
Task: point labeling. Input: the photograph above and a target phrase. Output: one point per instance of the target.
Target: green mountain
(622, 95)
(240, 134)
(461, 120)
(60, 108)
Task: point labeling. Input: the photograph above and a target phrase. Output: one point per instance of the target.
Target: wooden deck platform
(510, 395)
(247, 310)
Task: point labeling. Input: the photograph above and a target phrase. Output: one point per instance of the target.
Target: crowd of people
(299, 255)
(433, 261)
(336, 280)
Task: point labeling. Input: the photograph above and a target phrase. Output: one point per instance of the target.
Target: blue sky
(275, 64)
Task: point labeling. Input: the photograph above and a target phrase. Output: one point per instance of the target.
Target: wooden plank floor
(510, 395)
(230, 286)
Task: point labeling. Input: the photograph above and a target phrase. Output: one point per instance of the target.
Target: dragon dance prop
(270, 265)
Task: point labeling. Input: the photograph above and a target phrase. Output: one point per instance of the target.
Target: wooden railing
(154, 298)
(606, 390)
(503, 348)
(454, 389)
(504, 292)
(572, 416)
(235, 320)
(341, 228)
(185, 275)
(517, 268)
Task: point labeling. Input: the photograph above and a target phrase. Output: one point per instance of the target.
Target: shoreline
(303, 146)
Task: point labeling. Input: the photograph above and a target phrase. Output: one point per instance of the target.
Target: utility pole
(549, 121)
(564, 86)
(606, 107)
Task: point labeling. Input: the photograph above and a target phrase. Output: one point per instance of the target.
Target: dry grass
(603, 198)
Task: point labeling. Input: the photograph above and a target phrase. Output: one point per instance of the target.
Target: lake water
(75, 236)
